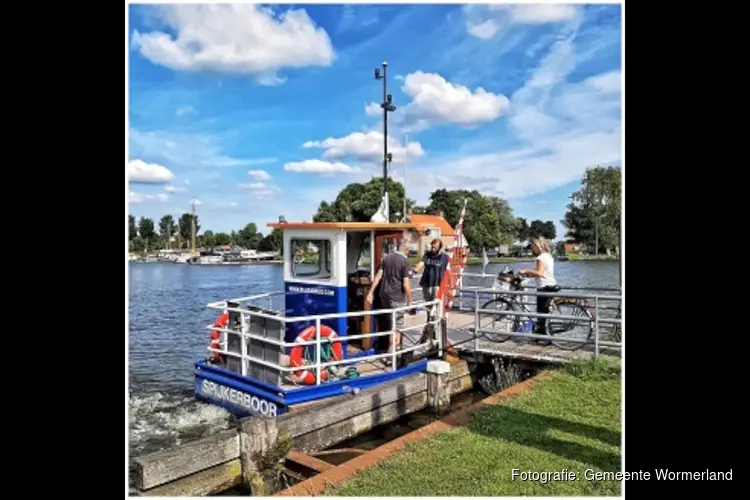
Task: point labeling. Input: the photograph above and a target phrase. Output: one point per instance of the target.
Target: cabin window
(311, 258)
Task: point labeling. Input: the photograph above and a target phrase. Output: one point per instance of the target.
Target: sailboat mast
(192, 224)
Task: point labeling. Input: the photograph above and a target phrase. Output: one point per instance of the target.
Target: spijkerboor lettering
(252, 403)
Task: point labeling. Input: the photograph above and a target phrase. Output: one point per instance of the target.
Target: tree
(146, 229)
(273, 242)
(249, 237)
(593, 215)
(185, 226)
(544, 229)
(223, 239)
(522, 233)
(166, 228)
(209, 239)
(489, 221)
(132, 229)
(358, 202)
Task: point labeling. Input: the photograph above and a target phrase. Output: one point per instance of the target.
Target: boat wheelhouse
(318, 337)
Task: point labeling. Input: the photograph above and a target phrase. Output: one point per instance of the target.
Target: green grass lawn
(571, 421)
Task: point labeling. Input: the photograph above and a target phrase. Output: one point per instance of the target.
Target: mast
(387, 106)
(192, 228)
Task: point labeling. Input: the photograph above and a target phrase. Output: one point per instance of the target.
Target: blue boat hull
(243, 396)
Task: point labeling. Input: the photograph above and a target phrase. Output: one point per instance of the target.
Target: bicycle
(562, 306)
(616, 328)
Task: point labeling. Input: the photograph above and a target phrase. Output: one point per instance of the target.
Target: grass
(570, 421)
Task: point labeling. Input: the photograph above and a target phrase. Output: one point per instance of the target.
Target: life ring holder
(221, 322)
(308, 377)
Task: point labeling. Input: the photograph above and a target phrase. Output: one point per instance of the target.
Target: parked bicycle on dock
(507, 279)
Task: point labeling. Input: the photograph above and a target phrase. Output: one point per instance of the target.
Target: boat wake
(159, 420)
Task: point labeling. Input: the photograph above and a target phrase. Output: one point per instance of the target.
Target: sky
(257, 111)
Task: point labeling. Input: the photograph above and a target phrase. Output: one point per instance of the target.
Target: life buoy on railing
(296, 355)
(221, 322)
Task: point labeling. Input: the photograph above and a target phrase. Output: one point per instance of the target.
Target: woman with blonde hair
(544, 272)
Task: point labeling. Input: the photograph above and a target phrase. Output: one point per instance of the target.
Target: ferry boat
(318, 337)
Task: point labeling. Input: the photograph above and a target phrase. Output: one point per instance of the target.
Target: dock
(216, 463)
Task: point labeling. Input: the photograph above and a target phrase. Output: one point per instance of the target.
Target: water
(168, 315)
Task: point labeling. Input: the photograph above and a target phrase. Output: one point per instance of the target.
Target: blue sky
(261, 111)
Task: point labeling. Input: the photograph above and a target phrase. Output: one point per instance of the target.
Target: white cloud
(486, 21)
(140, 172)
(236, 38)
(260, 187)
(189, 151)
(436, 101)
(259, 175)
(319, 167)
(373, 109)
(365, 147)
(175, 189)
(134, 197)
(562, 128)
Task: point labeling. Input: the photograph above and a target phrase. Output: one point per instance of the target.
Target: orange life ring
(295, 356)
(215, 336)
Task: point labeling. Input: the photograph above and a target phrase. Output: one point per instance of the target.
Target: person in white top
(545, 279)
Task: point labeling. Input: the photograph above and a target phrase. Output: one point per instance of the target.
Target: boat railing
(278, 320)
(484, 287)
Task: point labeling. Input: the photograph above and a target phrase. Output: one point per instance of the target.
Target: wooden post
(438, 395)
(257, 436)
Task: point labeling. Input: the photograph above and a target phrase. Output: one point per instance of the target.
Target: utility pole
(406, 162)
(387, 106)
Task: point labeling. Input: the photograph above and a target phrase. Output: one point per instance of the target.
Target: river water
(167, 334)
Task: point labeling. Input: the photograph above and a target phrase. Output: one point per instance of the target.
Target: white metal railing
(581, 299)
(434, 308)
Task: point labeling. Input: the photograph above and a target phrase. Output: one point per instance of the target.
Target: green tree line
(592, 217)
(144, 236)
(489, 220)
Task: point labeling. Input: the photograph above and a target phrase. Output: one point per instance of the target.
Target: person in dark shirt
(434, 262)
(392, 283)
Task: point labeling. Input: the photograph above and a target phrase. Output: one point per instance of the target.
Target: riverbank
(570, 421)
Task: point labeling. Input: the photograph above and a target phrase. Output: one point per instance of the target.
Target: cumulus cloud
(365, 147)
(434, 101)
(236, 38)
(486, 21)
(140, 172)
(319, 167)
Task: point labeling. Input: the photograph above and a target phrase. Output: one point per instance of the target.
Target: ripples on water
(168, 316)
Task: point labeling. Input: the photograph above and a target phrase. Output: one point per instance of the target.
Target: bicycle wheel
(616, 328)
(578, 329)
(498, 321)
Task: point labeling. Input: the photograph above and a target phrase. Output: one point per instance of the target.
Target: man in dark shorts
(394, 290)
(434, 262)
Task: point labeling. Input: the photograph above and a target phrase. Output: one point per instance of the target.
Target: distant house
(574, 247)
(437, 226)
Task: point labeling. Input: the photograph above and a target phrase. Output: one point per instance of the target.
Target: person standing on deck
(545, 279)
(395, 291)
(434, 262)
